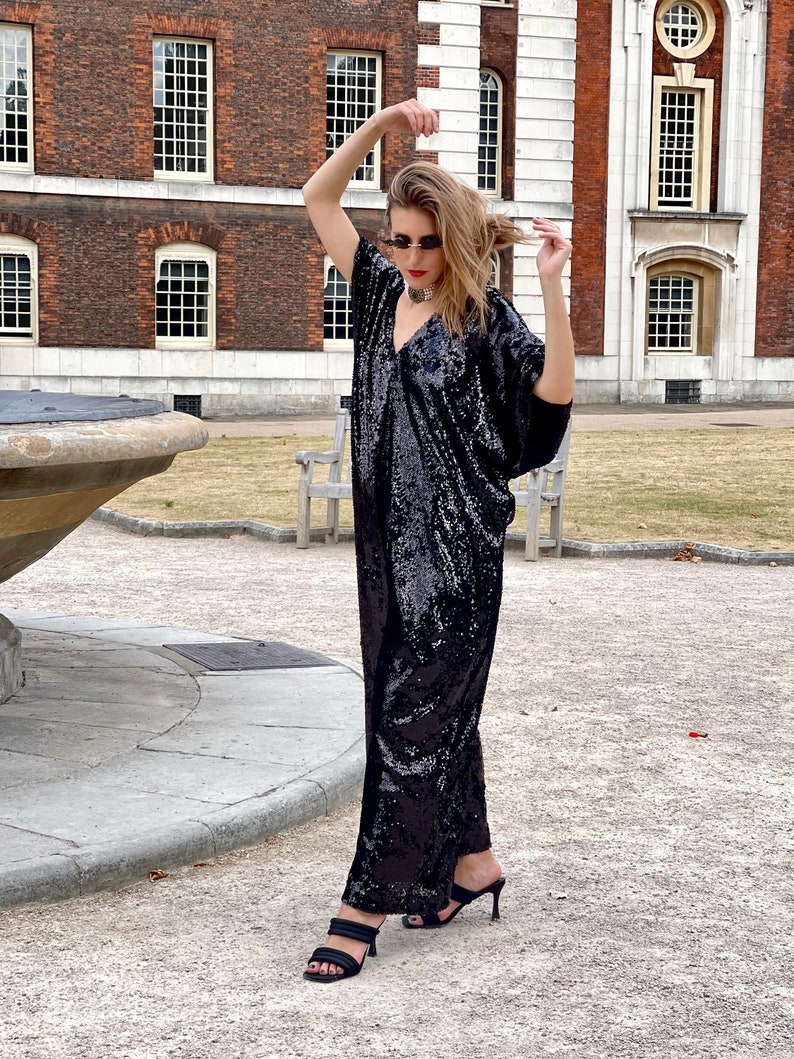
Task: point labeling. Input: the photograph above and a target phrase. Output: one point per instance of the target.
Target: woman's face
(419, 268)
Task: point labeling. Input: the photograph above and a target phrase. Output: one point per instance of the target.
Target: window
(182, 79)
(672, 313)
(489, 152)
(352, 95)
(18, 265)
(681, 310)
(16, 99)
(685, 29)
(678, 125)
(683, 26)
(337, 310)
(681, 137)
(185, 296)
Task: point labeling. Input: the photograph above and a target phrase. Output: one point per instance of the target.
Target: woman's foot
(357, 949)
(474, 872)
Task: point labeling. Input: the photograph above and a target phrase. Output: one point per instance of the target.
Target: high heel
(463, 897)
(343, 928)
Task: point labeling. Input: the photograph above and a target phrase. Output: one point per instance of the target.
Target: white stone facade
(732, 371)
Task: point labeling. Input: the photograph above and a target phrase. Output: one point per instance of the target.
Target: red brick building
(153, 239)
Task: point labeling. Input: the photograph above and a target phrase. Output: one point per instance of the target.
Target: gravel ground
(648, 909)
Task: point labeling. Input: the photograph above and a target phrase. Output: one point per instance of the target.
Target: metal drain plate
(249, 654)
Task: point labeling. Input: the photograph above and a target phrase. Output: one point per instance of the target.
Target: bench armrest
(306, 456)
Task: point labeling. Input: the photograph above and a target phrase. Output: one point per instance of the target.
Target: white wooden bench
(541, 488)
(544, 487)
(334, 489)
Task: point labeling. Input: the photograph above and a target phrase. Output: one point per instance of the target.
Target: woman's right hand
(408, 116)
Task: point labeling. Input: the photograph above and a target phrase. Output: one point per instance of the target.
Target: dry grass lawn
(731, 486)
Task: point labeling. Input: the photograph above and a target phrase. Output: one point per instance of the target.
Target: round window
(683, 25)
(685, 29)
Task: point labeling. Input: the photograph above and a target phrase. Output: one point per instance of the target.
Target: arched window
(680, 317)
(337, 312)
(489, 154)
(18, 282)
(185, 296)
(672, 313)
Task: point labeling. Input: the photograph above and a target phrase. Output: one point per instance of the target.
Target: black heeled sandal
(463, 897)
(343, 928)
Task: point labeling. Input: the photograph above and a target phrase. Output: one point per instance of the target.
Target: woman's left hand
(554, 252)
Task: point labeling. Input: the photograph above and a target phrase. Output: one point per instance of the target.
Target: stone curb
(218, 528)
(716, 553)
(110, 865)
(574, 549)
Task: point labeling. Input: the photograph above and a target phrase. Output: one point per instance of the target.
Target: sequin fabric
(438, 429)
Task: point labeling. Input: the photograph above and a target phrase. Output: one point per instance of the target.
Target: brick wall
(269, 85)
(93, 119)
(775, 327)
(97, 269)
(590, 151)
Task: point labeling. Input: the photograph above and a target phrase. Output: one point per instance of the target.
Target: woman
(451, 398)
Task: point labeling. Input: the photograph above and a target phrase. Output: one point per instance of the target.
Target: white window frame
(703, 91)
(707, 21)
(679, 351)
(27, 32)
(496, 190)
(373, 160)
(190, 253)
(173, 174)
(337, 344)
(16, 246)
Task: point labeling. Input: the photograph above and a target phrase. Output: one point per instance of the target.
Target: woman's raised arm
(556, 384)
(323, 192)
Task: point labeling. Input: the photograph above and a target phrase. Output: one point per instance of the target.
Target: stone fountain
(61, 457)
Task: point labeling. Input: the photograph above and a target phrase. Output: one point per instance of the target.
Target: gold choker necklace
(422, 294)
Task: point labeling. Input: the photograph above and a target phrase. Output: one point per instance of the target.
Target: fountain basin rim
(73, 442)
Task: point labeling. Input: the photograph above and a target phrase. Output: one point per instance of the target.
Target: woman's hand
(554, 252)
(408, 116)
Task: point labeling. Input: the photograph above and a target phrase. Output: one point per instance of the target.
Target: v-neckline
(397, 350)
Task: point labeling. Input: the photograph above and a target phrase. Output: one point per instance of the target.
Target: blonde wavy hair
(469, 231)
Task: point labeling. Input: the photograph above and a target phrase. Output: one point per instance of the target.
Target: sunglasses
(427, 242)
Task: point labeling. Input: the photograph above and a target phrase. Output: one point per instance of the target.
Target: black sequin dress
(439, 428)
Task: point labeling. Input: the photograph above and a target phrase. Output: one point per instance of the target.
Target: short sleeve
(532, 429)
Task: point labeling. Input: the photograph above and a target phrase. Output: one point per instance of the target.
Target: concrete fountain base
(61, 457)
